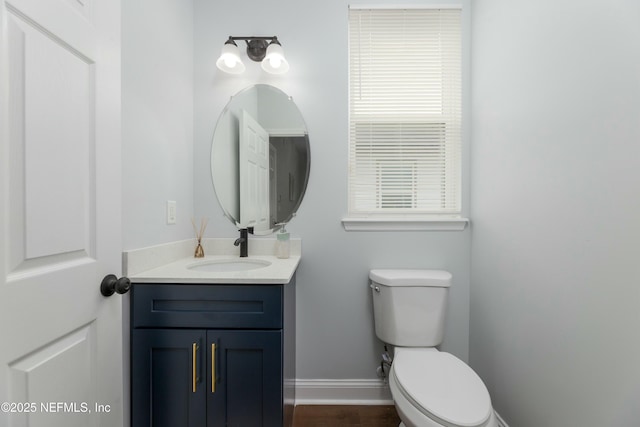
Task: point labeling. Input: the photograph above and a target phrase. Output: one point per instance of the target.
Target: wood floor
(345, 416)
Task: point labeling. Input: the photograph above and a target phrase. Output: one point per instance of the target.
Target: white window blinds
(404, 111)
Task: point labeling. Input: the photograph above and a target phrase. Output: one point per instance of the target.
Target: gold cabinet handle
(213, 368)
(194, 356)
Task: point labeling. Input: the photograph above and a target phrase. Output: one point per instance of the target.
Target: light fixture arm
(256, 45)
(234, 38)
(264, 49)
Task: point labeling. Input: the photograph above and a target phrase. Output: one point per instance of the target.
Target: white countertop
(169, 263)
(278, 271)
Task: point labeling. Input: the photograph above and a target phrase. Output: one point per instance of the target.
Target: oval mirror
(260, 158)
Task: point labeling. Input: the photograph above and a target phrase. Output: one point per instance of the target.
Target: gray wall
(157, 120)
(336, 339)
(555, 296)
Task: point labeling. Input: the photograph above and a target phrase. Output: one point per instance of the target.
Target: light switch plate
(171, 211)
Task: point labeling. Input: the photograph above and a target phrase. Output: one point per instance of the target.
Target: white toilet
(430, 388)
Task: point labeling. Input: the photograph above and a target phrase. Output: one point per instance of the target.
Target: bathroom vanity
(211, 347)
(213, 338)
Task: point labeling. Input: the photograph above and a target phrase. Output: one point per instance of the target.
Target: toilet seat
(442, 387)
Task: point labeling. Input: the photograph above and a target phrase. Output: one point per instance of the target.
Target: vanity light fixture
(260, 49)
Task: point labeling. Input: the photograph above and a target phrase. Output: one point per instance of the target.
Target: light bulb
(229, 60)
(274, 61)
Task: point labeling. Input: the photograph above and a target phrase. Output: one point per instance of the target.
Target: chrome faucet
(243, 241)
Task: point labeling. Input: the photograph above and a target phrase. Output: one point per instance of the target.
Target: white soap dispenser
(282, 243)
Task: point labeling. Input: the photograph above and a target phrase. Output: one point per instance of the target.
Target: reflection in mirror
(260, 158)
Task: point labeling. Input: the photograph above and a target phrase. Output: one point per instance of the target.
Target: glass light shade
(274, 61)
(229, 60)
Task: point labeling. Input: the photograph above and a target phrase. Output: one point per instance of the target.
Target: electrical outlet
(171, 211)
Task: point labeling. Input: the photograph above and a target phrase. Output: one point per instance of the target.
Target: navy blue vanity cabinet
(166, 390)
(205, 355)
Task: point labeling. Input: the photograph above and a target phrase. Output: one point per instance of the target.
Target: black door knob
(111, 284)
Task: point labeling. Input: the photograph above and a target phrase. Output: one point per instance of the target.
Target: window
(404, 112)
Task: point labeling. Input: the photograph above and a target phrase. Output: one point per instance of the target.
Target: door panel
(60, 221)
(52, 147)
(37, 377)
(254, 174)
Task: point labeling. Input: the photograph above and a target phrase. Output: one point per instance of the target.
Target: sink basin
(225, 265)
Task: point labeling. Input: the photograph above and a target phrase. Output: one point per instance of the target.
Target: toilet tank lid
(434, 278)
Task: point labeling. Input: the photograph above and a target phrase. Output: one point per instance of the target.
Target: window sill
(404, 224)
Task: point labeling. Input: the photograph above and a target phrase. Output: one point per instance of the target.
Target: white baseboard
(342, 392)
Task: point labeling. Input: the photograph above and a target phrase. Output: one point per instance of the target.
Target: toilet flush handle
(375, 288)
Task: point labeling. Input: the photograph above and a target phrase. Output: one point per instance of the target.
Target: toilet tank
(409, 306)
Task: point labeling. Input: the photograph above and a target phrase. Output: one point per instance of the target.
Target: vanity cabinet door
(169, 370)
(246, 372)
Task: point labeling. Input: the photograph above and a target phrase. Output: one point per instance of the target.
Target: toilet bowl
(429, 388)
(435, 389)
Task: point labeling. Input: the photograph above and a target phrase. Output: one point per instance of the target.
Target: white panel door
(60, 339)
(254, 174)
